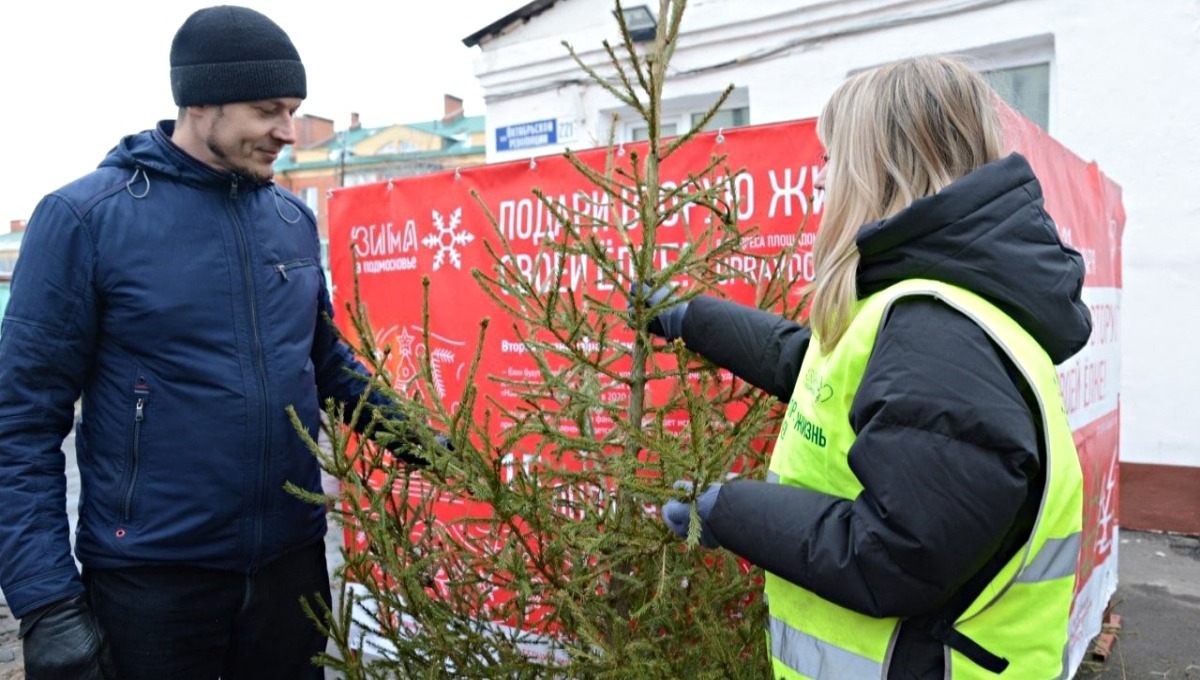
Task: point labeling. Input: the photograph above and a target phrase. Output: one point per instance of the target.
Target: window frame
(677, 111)
(1029, 51)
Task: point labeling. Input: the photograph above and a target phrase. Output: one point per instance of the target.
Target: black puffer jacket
(947, 445)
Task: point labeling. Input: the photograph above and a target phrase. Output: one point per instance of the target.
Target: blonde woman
(921, 515)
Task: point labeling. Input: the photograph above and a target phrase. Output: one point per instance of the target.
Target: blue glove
(669, 322)
(678, 514)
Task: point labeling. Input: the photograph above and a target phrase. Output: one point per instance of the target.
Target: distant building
(324, 159)
(10, 246)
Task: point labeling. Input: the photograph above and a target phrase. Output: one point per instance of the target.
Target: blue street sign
(527, 135)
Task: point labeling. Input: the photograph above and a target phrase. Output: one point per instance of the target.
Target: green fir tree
(571, 548)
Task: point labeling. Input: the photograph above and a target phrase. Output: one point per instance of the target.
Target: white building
(1113, 80)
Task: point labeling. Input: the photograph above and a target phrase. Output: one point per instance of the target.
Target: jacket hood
(987, 232)
(153, 151)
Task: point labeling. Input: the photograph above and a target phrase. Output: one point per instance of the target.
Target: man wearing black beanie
(179, 292)
(233, 55)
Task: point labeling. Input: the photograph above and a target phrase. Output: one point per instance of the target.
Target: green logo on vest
(820, 390)
(805, 427)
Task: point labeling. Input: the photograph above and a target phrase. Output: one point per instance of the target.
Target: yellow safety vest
(1023, 614)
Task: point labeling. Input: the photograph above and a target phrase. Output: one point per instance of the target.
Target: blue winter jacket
(186, 307)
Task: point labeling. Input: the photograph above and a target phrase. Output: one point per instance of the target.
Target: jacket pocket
(141, 396)
(286, 269)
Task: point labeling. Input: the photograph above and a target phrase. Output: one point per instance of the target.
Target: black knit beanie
(233, 54)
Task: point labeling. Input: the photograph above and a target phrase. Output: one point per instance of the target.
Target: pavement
(1157, 600)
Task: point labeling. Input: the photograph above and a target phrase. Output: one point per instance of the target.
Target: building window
(309, 196)
(725, 118)
(1026, 89)
(8, 261)
(681, 114)
(1021, 72)
(325, 266)
(353, 179)
(640, 133)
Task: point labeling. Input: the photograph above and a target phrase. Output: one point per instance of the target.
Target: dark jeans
(200, 624)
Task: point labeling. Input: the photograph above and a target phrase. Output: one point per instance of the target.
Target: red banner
(1087, 208)
(432, 225)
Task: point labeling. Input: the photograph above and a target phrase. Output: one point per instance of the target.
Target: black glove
(669, 322)
(412, 451)
(63, 641)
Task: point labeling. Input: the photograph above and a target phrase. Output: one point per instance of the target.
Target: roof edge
(524, 13)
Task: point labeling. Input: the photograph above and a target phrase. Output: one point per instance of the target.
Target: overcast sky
(75, 77)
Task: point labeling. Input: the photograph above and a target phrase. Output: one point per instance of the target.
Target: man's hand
(64, 640)
(412, 450)
(412, 443)
(678, 515)
(669, 322)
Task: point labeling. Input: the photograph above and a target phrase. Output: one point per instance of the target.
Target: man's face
(247, 137)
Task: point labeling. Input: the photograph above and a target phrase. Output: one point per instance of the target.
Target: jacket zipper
(284, 267)
(248, 273)
(141, 391)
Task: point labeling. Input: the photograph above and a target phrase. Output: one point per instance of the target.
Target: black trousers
(200, 624)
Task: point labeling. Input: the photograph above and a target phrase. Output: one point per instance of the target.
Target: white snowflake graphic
(447, 237)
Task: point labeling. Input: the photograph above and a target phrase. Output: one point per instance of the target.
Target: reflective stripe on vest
(814, 658)
(1057, 559)
(1023, 612)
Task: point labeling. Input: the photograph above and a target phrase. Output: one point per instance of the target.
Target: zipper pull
(282, 271)
(140, 410)
(233, 187)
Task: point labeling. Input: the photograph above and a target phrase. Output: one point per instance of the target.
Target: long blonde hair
(893, 134)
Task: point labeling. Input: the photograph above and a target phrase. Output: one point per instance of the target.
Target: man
(180, 293)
